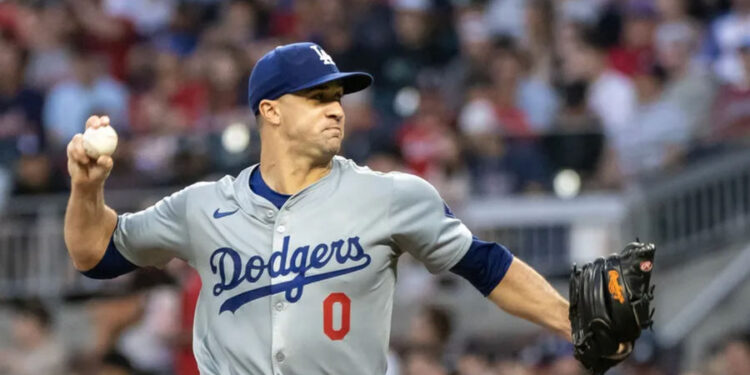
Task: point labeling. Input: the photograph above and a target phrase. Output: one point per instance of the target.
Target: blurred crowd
(480, 97)
(146, 329)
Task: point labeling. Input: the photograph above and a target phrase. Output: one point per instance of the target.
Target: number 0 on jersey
(328, 304)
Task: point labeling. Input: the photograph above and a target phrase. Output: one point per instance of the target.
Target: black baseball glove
(610, 305)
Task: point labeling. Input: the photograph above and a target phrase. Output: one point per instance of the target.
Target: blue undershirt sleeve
(111, 265)
(484, 265)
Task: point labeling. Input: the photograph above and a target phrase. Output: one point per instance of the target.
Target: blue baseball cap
(295, 67)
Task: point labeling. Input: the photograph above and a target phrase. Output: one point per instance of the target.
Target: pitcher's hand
(85, 172)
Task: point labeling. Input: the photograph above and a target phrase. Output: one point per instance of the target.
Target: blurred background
(562, 129)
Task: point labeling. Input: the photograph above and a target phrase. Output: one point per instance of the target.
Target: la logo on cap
(324, 57)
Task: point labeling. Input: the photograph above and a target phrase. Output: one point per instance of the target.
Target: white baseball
(99, 141)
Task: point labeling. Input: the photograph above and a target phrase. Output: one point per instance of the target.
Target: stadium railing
(705, 208)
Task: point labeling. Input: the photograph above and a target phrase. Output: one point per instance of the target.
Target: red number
(346, 307)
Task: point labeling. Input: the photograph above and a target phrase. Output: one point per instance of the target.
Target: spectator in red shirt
(635, 52)
(171, 101)
(426, 139)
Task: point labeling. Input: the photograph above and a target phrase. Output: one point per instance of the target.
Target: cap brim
(351, 81)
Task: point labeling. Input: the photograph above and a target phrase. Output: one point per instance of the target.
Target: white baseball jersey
(305, 289)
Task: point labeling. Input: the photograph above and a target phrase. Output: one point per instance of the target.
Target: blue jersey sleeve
(484, 265)
(111, 265)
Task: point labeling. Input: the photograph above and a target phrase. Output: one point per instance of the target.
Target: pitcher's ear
(268, 111)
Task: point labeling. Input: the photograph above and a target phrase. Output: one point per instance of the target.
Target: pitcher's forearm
(559, 321)
(526, 294)
(89, 224)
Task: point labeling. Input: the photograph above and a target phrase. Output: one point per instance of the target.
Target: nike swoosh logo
(219, 215)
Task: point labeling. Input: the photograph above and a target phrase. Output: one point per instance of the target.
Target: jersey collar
(257, 206)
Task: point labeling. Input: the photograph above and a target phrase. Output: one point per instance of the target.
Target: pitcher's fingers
(93, 122)
(69, 149)
(76, 150)
(81, 153)
(105, 161)
(104, 120)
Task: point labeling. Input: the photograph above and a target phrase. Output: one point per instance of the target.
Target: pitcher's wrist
(87, 189)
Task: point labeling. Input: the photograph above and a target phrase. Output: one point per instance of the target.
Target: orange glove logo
(615, 289)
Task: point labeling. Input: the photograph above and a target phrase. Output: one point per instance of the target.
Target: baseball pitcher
(298, 253)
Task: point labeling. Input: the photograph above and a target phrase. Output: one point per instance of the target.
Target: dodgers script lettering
(232, 271)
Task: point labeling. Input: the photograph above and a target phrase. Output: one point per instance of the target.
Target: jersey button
(280, 357)
(269, 214)
(281, 229)
(279, 306)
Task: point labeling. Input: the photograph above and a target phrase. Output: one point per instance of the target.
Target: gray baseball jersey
(305, 289)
